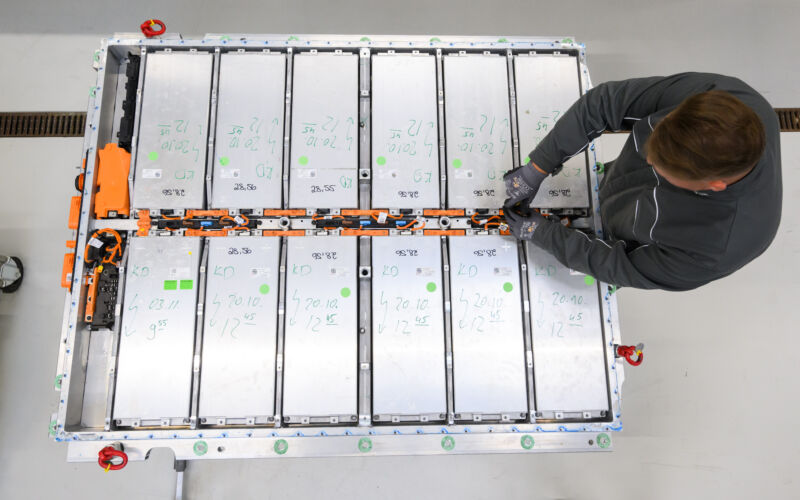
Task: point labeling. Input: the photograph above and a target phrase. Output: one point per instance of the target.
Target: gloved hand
(523, 226)
(523, 183)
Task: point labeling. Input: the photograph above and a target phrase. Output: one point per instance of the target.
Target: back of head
(711, 135)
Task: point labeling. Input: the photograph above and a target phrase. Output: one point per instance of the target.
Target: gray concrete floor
(710, 413)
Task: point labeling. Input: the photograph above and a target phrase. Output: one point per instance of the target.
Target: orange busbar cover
(112, 182)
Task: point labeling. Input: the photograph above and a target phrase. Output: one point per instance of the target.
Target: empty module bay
(478, 131)
(156, 346)
(321, 335)
(237, 379)
(324, 140)
(547, 85)
(569, 360)
(408, 376)
(248, 154)
(488, 340)
(173, 131)
(405, 152)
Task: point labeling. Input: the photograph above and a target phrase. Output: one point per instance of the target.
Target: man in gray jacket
(694, 195)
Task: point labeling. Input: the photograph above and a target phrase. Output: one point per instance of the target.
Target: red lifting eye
(106, 456)
(148, 28)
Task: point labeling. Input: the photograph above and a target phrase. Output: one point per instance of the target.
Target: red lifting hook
(106, 455)
(629, 351)
(147, 28)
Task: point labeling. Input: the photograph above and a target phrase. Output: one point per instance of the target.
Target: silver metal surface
(237, 376)
(568, 355)
(547, 85)
(80, 362)
(488, 346)
(405, 162)
(321, 329)
(155, 350)
(408, 328)
(324, 140)
(248, 156)
(478, 130)
(173, 131)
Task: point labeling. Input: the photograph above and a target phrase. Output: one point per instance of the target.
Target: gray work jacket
(657, 235)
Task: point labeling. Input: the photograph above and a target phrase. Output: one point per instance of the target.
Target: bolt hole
(591, 442)
(444, 222)
(364, 174)
(220, 449)
(365, 272)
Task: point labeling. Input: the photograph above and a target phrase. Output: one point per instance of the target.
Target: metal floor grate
(71, 124)
(43, 124)
(789, 118)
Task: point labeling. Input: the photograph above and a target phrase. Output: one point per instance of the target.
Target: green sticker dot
(381, 160)
(436, 39)
(303, 160)
(526, 442)
(280, 447)
(457, 163)
(345, 292)
(58, 381)
(431, 286)
(365, 39)
(224, 160)
(170, 284)
(448, 443)
(603, 441)
(264, 289)
(526, 160)
(502, 40)
(588, 280)
(53, 427)
(187, 284)
(200, 448)
(507, 286)
(567, 40)
(152, 155)
(364, 445)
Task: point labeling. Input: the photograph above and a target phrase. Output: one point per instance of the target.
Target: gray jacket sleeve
(648, 267)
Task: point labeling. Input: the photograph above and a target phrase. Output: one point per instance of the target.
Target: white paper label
(151, 173)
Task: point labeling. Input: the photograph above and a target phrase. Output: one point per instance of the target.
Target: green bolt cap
(364, 445)
(281, 446)
(448, 443)
(58, 381)
(200, 448)
(603, 441)
(526, 442)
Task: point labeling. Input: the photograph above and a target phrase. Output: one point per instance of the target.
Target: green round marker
(364, 445)
(264, 289)
(589, 280)
(280, 447)
(526, 442)
(507, 286)
(152, 155)
(345, 292)
(200, 448)
(457, 163)
(431, 286)
(224, 160)
(381, 160)
(448, 443)
(603, 441)
(303, 160)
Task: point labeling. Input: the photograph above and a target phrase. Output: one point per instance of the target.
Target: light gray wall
(710, 414)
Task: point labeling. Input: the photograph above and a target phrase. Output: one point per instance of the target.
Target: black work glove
(523, 226)
(522, 184)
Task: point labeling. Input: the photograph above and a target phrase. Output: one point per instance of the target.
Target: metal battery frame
(87, 362)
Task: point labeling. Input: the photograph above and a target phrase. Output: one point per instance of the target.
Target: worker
(694, 195)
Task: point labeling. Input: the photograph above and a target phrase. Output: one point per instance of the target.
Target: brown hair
(711, 135)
